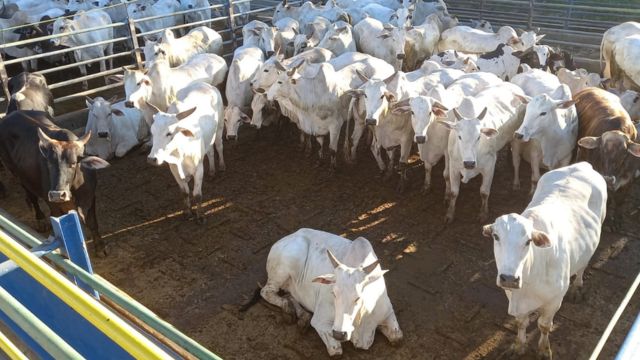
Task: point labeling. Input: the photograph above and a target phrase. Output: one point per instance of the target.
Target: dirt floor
(441, 283)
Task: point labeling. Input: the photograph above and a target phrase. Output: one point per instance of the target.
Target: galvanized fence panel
(66, 84)
(574, 25)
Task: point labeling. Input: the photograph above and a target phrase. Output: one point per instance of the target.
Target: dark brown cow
(48, 162)
(606, 136)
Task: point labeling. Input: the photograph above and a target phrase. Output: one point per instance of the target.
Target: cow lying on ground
(339, 280)
(48, 161)
(538, 251)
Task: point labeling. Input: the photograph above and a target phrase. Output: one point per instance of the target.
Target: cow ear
(518, 54)
(540, 239)
(44, 140)
(634, 149)
(94, 162)
(489, 132)
(327, 279)
(438, 109)
(566, 104)
(589, 142)
(449, 125)
(183, 114)
(186, 132)
(117, 112)
(487, 230)
(524, 98)
(113, 99)
(390, 97)
(401, 109)
(245, 118)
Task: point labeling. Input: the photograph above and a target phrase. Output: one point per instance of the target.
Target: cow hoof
(187, 215)
(448, 219)
(576, 295)
(335, 352)
(515, 351)
(545, 354)
(101, 251)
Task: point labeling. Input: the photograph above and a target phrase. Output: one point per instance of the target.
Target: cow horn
(44, 138)
(519, 31)
(333, 259)
(125, 69)
(457, 114)
(84, 139)
(154, 109)
(362, 76)
(369, 268)
(183, 114)
(113, 99)
(89, 100)
(482, 114)
(279, 66)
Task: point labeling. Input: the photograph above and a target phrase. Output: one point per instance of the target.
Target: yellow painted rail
(114, 327)
(10, 349)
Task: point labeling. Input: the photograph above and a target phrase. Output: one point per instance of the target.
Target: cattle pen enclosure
(441, 280)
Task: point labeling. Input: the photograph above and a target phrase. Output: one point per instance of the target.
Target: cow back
(600, 111)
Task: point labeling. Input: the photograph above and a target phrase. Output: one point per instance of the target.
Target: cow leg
(197, 192)
(452, 196)
(109, 51)
(334, 138)
(184, 187)
(324, 325)
(358, 129)
(219, 144)
(269, 292)
(405, 151)
(83, 72)
(447, 178)
(485, 190)
(32, 200)
(211, 157)
(576, 291)
(304, 317)
(91, 220)
(519, 347)
(391, 329)
(545, 324)
(426, 187)
(377, 154)
(34, 64)
(320, 140)
(516, 149)
(391, 165)
(308, 146)
(535, 169)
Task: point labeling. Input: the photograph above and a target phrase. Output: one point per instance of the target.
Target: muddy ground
(441, 283)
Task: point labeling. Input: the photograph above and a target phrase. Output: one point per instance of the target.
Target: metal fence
(574, 25)
(65, 80)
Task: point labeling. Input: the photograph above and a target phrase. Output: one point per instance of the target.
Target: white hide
(246, 62)
(466, 39)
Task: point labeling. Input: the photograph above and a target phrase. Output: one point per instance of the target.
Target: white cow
(550, 127)
(631, 102)
(611, 37)
(486, 123)
(141, 10)
(184, 135)
(466, 39)
(537, 252)
(426, 8)
(247, 61)
(256, 33)
(287, 29)
(483, 25)
(372, 10)
(422, 41)
(312, 34)
(308, 11)
(503, 62)
(117, 129)
(383, 41)
(319, 97)
(579, 79)
(199, 40)
(625, 70)
(339, 280)
(85, 20)
(338, 39)
(198, 15)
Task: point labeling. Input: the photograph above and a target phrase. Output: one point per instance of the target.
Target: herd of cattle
(406, 73)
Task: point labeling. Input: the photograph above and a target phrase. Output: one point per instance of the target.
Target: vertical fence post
(134, 42)
(530, 21)
(5, 79)
(231, 22)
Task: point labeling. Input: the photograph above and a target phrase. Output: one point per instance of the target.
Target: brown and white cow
(49, 163)
(607, 136)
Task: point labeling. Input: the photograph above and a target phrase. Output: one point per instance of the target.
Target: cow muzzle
(469, 165)
(59, 196)
(260, 91)
(339, 335)
(231, 137)
(611, 182)
(400, 56)
(518, 136)
(370, 122)
(510, 282)
(103, 134)
(153, 161)
(128, 104)
(420, 139)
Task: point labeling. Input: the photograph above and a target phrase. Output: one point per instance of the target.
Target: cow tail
(254, 300)
(602, 64)
(347, 138)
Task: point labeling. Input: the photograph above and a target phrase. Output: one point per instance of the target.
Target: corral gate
(574, 25)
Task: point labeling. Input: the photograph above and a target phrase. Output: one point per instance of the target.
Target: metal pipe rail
(119, 331)
(10, 349)
(105, 287)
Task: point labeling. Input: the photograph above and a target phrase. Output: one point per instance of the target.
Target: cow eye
(280, 82)
(168, 134)
(382, 96)
(412, 112)
(266, 70)
(528, 242)
(357, 299)
(61, 28)
(459, 137)
(543, 113)
(496, 237)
